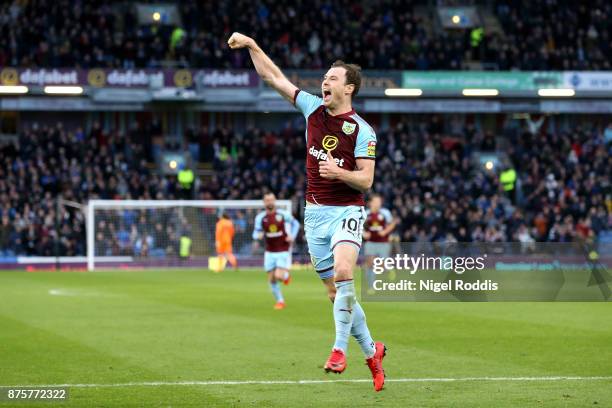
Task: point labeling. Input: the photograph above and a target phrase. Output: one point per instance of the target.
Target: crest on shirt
(348, 128)
(279, 217)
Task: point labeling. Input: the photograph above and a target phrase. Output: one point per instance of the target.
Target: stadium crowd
(562, 194)
(425, 174)
(377, 35)
(47, 162)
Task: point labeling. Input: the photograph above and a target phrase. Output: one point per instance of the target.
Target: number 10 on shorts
(352, 225)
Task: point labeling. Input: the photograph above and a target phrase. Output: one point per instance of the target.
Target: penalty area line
(307, 382)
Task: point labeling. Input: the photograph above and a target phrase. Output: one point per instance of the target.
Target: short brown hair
(353, 75)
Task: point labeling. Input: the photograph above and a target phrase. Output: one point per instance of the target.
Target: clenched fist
(238, 40)
(329, 169)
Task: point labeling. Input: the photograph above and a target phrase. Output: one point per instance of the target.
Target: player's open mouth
(326, 95)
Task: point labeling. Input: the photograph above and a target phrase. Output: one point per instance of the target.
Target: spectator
(547, 35)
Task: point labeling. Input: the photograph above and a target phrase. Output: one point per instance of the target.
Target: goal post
(165, 233)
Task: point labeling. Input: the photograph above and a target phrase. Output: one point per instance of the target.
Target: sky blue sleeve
(292, 226)
(365, 146)
(307, 103)
(258, 227)
(387, 214)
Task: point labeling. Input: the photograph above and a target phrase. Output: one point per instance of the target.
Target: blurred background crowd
(551, 182)
(425, 173)
(392, 34)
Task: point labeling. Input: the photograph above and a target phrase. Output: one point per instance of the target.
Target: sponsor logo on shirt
(375, 226)
(273, 232)
(321, 155)
(330, 142)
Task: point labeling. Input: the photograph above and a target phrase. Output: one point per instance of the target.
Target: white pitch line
(306, 382)
(77, 292)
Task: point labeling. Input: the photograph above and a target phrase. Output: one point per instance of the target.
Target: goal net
(168, 233)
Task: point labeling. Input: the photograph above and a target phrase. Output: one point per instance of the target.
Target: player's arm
(292, 226)
(258, 229)
(389, 228)
(360, 179)
(391, 224)
(267, 70)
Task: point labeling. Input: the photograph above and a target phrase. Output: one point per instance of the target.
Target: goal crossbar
(94, 205)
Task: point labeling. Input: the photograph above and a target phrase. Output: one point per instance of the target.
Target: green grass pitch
(183, 326)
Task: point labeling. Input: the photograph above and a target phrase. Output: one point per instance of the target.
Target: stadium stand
(554, 185)
(394, 34)
(560, 195)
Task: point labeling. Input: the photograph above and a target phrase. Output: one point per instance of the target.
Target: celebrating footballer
(341, 150)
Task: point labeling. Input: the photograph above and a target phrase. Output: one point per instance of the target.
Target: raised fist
(238, 40)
